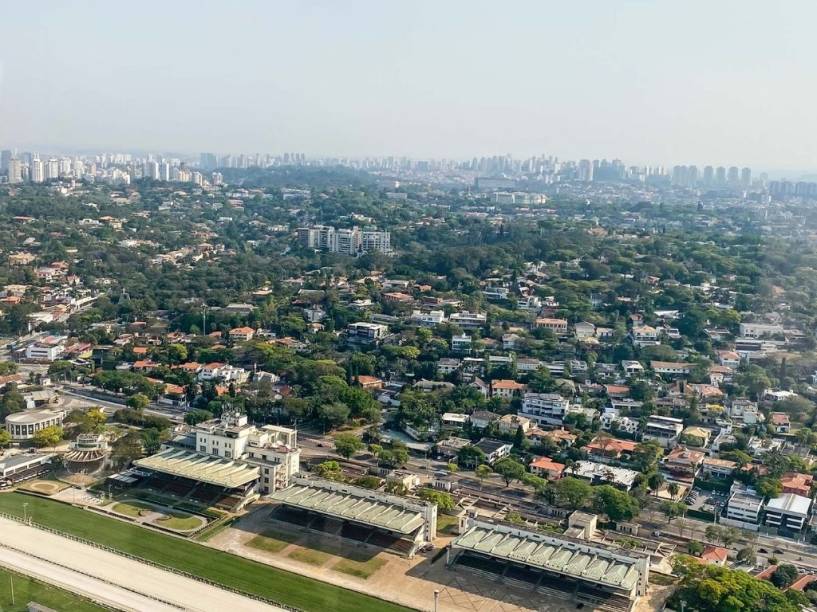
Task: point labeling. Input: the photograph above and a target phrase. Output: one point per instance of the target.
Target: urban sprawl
(386, 383)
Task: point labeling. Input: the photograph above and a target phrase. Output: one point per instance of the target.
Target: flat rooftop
(586, 562)
(350, 505)
(197, 466)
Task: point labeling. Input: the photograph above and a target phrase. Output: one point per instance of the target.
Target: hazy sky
(717, 82)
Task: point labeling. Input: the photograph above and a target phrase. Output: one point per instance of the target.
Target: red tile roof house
(799, 484)
(604, 447)
(780, 422)
(506, 389)
(369, 382)
(547, 468)
(242, 334)
(715, 555)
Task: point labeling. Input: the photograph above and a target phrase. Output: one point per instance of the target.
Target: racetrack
(110, 578)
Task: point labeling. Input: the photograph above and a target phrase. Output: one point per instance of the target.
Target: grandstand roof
(589, 563)
(197, 466)
(351, 506)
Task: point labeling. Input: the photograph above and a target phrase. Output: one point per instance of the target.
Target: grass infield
(28, 589)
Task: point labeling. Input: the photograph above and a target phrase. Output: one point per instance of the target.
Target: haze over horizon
(724, 84)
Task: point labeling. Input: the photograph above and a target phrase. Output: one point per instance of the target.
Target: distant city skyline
(713, 84)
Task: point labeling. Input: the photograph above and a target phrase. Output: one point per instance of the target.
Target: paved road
(111, 578)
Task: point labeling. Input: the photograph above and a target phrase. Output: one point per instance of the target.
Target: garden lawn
(27, 589)
(310, 556)
(361, 569)
(132, 509)
(272, 541)
(180, 522)
(218, 566)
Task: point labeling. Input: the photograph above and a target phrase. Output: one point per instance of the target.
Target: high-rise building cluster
(347, 241)
(720, 177)
(115, 169)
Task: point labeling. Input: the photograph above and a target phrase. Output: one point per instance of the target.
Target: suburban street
(108, 577)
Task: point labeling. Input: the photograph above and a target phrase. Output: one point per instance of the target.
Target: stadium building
(393, 522)
(552, 565)
(227, 462)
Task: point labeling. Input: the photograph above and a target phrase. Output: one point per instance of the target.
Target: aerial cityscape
(381, 307)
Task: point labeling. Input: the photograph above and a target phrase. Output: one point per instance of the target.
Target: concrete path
(110, 578)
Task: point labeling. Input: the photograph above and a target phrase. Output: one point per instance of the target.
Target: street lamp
(25, 514)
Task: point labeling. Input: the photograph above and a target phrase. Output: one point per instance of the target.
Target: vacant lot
(218, 566)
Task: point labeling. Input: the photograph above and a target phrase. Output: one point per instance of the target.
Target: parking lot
(706, 501)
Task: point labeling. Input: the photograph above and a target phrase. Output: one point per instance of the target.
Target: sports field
(27, 589)
(220, 567)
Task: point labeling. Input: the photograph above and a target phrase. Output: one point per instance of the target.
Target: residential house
(599, 473)
(760, 330)
(606, 448)
(557, 326)
(369, 382)
(468, 320)
(461, 343)
(560, 437)
(799, 484)
(480, 385)
(683, 462)
(729, 359)
(510, 423)
(546, 468)
(242, 334)
(482, 418)
(780, 422)
(696, 436)
(494, 449)
(632, 368)
(713, 467)
(671, 368)
(544, 408)
(506, 389)
(745, 411)
(448, 365)
(371, 333)
(584, 330)
(223, 372)
(428, 319)
(714, 555)
(663, 430)
(644, 335)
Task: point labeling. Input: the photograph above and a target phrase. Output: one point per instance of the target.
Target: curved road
(110, 578)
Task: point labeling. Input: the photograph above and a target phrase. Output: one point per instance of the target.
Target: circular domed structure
(88, 453)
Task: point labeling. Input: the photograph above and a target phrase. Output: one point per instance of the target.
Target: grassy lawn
(132, 509)
(308, 555)
(215, 565)
(446, 524)
(180, 522)
(27, 589)
(361, 569)
(272, 541)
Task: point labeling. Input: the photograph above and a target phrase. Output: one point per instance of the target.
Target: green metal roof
(197, 466)
(548, 553)
(350, 506)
